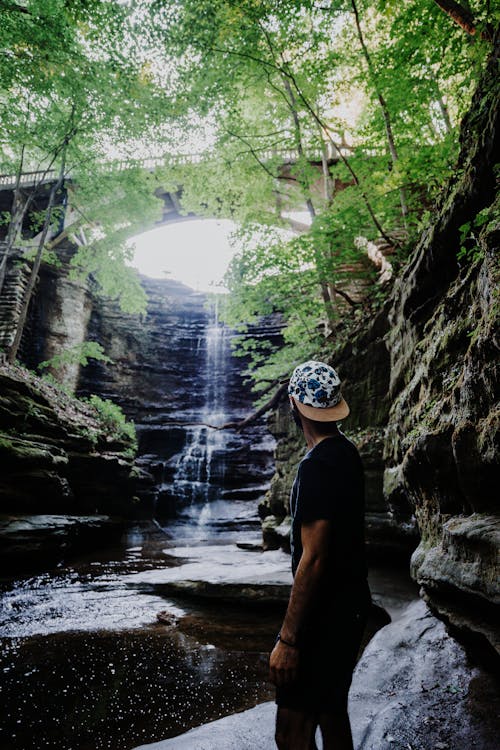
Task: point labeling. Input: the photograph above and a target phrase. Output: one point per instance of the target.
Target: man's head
(314, 390)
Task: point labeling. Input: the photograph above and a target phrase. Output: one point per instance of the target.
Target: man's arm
(315, 537)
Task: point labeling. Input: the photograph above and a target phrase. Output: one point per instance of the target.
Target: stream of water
(86, 665)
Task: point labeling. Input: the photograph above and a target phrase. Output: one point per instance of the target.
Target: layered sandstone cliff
(422, 382)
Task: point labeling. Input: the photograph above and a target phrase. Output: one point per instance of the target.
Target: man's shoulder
(331, 448)
(340, 459)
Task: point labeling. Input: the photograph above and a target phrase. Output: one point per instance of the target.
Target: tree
(372, 73)
(70, 97)
(347, 109)
(275, 76)
(56, 186)
(258, 57)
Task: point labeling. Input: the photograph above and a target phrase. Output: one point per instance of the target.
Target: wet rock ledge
(57, 457)
(27, 541)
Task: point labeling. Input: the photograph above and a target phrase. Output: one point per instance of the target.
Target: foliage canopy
(345, 110)
(368, 96)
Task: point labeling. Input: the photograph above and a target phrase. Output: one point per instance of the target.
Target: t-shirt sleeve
(315, 492)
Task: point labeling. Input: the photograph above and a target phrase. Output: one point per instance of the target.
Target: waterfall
(177, 372)
(193, 472)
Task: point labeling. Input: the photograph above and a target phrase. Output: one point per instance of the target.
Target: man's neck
(312, 437)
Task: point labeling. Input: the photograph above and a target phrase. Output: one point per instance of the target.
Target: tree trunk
(343, 159)
(383, 106)
(327, 180)
(325, 292)
(463, 17)
(17, 214)
(441, 103)
(445, 113)
(38, 259)
(298, 142)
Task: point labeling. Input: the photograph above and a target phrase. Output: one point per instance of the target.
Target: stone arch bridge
(41, 181)
(71, 300)
(64, 300)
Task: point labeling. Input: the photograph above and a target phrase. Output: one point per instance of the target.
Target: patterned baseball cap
(315, 388)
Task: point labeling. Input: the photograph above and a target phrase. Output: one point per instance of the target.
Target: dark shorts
(327, 656)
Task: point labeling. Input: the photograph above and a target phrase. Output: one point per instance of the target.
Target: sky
(196, 252)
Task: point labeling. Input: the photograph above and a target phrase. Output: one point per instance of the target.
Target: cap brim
(328, 414)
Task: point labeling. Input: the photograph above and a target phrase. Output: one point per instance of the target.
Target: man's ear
(296, 414)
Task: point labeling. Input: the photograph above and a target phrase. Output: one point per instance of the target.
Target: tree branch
(13, 8)
(253, 152)
(273, 401)
(346, 296)
(464, 18)
(271, 404)
(285, 71)
(345, 161)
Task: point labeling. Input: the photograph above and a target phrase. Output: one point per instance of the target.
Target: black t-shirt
(330, 485)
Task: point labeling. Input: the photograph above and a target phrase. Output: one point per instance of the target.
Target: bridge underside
(172, 201)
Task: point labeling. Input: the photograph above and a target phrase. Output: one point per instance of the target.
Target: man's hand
(283, 664)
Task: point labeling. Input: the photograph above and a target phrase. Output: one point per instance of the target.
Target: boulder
(276, 532)
(413, 681)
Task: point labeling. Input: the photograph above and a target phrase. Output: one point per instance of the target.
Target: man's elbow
(315, 562)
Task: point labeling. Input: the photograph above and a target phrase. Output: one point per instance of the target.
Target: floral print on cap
(315, 384)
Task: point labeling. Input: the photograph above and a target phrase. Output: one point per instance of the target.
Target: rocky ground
(414, 688)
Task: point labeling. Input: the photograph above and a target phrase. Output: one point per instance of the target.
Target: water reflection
(107, 690)
(86, 666)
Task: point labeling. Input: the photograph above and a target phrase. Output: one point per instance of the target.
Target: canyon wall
(441, 449)
(55, 454)
(420, 378)
(364, 366)
(422, 383)
(172, 372)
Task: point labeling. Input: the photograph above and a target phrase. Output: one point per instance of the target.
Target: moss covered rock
(56, 455)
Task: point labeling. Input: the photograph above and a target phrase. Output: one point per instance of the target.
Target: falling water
(193, 474)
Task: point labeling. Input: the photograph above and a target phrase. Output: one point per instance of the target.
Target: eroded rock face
(173, 373)
(441, 449)
(412, 680)
(58, 319)
(422, 384)
(54, 454)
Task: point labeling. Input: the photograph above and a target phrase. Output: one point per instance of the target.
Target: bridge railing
(41, 176)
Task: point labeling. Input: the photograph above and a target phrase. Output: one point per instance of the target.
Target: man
(316, 649)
